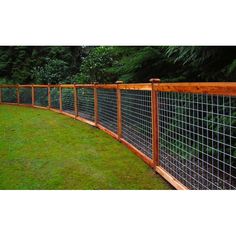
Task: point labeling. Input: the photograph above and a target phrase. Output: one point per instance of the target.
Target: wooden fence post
(119, 121)
(75, 100)
(49, 97)
(17, 94)
(95, 104)
(60, 97)
(0, 94)
(155, 124)
(32, 95)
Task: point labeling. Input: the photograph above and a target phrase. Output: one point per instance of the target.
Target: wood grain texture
(172, 180)
(218, 88)
(155, 155)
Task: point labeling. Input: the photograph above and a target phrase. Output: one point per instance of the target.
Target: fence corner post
(155, 124)
(32, 87)
(60, 98)
(17, 94)
(49, 96)
(119, 119)
(95, 104)
(75, 100)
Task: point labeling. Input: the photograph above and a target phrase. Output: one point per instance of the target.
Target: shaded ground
(40, 149)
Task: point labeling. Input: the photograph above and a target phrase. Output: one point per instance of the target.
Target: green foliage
(106, 64)
(55, 71)
(95, 66)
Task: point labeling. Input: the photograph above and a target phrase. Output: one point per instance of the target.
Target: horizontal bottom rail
(85, 121)
(172, 180)
(138, 153)
(107, 131)
(55, 110)
(41, 107)
(24, 105)
(10, 103)
(67, 114)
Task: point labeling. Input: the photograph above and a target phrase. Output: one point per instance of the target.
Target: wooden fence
(186, 132)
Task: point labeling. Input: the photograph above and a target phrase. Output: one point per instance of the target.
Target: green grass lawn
(40, 149)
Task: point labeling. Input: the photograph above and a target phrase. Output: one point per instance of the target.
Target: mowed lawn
(40, 149)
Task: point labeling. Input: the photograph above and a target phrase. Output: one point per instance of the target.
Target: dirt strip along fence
(186, 132)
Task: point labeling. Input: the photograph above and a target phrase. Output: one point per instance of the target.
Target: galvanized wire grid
(25, 95)
(137, 119)
(107, 109)
(86, 103)
(68, 100)
(9, 95)
(55, 98)
(41, 97)
(197, 139)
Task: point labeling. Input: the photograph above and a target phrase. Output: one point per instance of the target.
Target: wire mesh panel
(41, 97)
(68, 100)
(197, 139)
(137, 119)
(86, 103)
(9, 95)
(25, 95)
(107, 109)
(55, 98)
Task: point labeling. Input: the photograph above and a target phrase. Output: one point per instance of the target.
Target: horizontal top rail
(214, 88)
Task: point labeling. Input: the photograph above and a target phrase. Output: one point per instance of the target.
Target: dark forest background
(107, 64)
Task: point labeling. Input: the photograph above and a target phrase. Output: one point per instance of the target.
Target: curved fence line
(184, 131)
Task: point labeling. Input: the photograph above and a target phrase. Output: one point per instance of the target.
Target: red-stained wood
(119, 113)
(60, 98)
(107, 131)
(18, 94)
(55, 110)
(155, 136)
(32, 87)
(68, 114)
(85, 120)
(67, 85)
(84, 86)
(172, 180)
(49, 96)
(24, 85)
(24, 105)
(75, 100)
(96, 105)
(45, 108)
(53, 85)
(213, 88)
(9, 103)
(106, 86)
(146, 86)
(138, 153)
